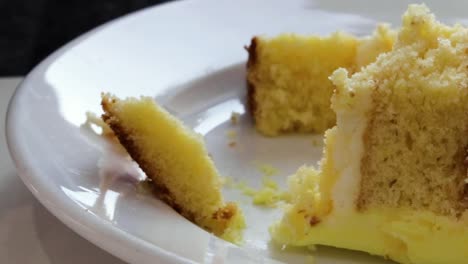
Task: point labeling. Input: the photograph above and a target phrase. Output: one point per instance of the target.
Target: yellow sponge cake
(177, 162)
(393, 179)
(287, 76)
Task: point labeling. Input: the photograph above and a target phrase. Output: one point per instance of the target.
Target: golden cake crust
(161, 191)
(251, 62)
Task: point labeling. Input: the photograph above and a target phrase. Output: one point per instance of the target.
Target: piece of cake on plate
(287, 76)
(176, 160)
(393, 180)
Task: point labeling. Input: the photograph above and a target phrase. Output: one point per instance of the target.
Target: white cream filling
(349, 145)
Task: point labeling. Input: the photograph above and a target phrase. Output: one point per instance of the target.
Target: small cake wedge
(287, 77)
(176, 160)
(393, 179)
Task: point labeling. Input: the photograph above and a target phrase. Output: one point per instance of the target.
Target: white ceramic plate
(190, 56)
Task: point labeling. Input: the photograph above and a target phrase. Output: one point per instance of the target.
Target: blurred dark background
(32, 29)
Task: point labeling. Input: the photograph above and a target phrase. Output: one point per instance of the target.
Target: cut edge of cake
(225, 220)
(278, 64)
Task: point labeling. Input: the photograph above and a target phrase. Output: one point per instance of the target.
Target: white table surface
(28, 232)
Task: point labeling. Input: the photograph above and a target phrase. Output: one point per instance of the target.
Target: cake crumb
(231, 134)
(245, 189)
(267, 182)
(235, 118)
(266, 169)
(266, 196)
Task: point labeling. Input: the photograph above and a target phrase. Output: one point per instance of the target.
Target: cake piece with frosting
(393, 179)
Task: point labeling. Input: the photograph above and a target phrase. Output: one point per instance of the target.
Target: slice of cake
(177, 162)
(393, 180)
(287, 76)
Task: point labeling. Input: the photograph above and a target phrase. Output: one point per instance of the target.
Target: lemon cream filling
(405, 236)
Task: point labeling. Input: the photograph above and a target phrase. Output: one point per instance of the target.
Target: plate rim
(90, 227)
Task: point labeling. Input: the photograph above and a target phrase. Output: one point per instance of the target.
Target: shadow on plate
(212, 88)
